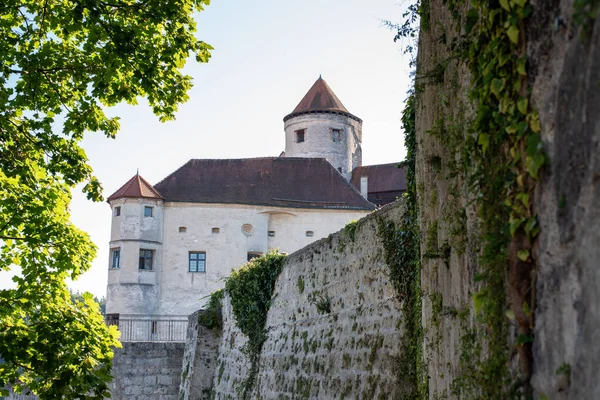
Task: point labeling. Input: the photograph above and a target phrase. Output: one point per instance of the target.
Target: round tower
(321, 127)
(135, 255)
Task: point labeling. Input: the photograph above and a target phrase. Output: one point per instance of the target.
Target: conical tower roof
(136, 187)
(320, 99)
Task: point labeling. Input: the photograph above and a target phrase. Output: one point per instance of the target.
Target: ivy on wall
(251, 289)
(401, 244)
(498, 152)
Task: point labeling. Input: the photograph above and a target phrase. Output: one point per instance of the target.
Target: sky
(266, 56)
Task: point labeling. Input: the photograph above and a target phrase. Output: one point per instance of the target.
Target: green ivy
(401, 246)
(212, 317)
(251, 289)
(500, 159)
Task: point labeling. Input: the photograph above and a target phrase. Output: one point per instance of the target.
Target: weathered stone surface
(350, 351)
(147, 371)
(199, 360)
(565, 61)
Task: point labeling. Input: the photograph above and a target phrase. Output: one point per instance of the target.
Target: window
(116, 258)
(146, 257)
(182, 229)
(253, 254)
(117, 211)
(300, 135)
(216, 230)
(336, 135)
(271, 233)
(147, 211)
(154, 327)
(197, 261)
(340, 170)
(310, 233)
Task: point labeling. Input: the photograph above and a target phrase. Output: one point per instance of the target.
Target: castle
(174, 242)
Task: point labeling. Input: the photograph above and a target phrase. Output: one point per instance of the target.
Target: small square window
(146, 258)
(197, 261)
(271, 233)
(117, 211)
(336, 135)
(254, 254)
(148, 211)
(300, 135)
(216, 230)
(310, 233)
(182, 229)
(116, 259)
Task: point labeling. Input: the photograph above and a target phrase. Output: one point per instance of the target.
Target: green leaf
(505, 5)
(510, 314)
(471, 19)
(520, 3)
(535, 126)
(484, 141)
(496, 86)
(523, 255)
(522, 104)
(523, 339)
(513, 34)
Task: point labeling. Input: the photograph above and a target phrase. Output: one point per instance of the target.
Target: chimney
(364, 186)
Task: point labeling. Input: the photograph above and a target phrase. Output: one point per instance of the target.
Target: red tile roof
(272, 181)
(385, 183)
(136, 187)
(320, 98)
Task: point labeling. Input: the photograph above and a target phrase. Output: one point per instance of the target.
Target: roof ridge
(150, 186)
(379, 165)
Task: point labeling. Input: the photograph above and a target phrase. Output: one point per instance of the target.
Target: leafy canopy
(61, 63)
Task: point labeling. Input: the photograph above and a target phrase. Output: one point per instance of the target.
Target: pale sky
(267, 55)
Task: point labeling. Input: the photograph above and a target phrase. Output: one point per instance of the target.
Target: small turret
(135, 248)
(321, 127)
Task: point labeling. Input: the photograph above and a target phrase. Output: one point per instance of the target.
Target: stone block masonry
(147, 370)
(334, 326)
(199, 360)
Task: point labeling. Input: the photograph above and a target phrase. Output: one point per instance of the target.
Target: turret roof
(136, 187)
(320, 98)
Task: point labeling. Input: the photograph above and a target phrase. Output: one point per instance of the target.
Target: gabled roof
(320, 98)
(382, 177)
(271, 181)
(136, 187)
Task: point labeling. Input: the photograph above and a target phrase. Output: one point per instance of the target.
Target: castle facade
(174, 242)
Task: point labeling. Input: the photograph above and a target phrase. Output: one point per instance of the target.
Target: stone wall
(334, 325)
(565, 61)
(199, 360)
(147, 370)
(563, 74)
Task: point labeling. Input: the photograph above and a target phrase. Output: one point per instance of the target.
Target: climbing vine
(402, 255)
(251, 289)
(506, 155)
(497, 151)
(212, 317)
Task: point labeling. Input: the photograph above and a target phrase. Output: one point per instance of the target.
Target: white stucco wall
(181, 291)
(131, 290)
(318, 142)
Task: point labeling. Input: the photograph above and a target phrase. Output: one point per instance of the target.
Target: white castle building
(172, 243)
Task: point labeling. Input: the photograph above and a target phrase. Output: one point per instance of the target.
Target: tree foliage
(62, 63)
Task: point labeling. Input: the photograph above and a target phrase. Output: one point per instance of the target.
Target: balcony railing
(153, 328)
